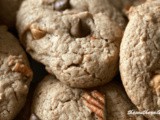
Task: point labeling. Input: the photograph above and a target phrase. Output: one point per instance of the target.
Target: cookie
(54, 100)
(78, 43)
(140, 57)
(8, 11)
(118, 105)
(15, 75)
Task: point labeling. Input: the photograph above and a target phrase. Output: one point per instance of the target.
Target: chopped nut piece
(37, 33)
(16, 64)
(25, 70)
(12, 59)
(155, 83)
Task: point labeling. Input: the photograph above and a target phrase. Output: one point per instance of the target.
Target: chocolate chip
(61, 5)
(33, 117)
(79, 29)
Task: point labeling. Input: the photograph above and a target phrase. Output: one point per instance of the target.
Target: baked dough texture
(15, 75)
(54, 100)
(140, 57)
(80, 44)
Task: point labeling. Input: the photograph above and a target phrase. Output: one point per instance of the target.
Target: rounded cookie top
(118, 105)
(79, 43)
(54, 100)
(8, 11)
(140, 57)
(15, 75)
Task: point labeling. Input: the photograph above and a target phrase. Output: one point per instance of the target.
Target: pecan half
(95, 102)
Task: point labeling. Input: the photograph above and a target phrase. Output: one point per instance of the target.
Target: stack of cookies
(101, 60)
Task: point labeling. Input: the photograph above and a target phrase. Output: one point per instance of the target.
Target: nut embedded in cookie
(68, 36)
(96, 103)
(17, 65)
(25, 70)
(36, 32)
(155, 83)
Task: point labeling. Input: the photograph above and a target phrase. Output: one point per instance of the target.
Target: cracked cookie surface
(78, 41)
(15, 75)
(140, 57)
(118, 103)
(54, 100)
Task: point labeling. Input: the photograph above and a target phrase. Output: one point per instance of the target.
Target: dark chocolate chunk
(61, 5)
(79, 29)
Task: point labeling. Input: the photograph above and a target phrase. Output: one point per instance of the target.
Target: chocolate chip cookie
(54, 100)
(140, 57)
(78, 41)
(8, 11)
(15, 75)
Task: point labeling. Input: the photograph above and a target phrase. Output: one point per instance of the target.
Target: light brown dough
(15, 75)
(140, 57)
(83, 62)
(54, 100)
